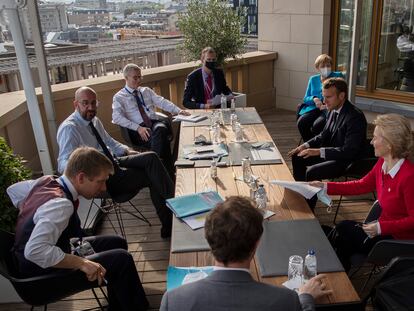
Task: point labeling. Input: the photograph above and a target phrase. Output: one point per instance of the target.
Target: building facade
(89, 17)
(249, 9)
(53, 17)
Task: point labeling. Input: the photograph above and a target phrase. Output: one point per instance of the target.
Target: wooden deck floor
(151, 252)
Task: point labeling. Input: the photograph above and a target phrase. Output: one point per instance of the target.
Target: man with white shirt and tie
(342, 141)
(233, 230)
(47, 221)
(134, 107)
(133, 170)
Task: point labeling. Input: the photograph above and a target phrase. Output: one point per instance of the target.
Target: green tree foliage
(12, 171)
(211, 23)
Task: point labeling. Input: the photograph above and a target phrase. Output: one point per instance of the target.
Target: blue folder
(176, 275)
(192, 204)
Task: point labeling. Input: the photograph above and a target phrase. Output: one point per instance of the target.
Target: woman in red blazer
(393, 180)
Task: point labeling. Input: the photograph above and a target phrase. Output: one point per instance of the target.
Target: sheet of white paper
(193, 277)
(265, 154)
(268, 214)
(216, 100)
(192, 154)
(302, 188)
(195, 221)
(293, 284)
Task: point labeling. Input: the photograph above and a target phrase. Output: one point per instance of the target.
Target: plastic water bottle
(310, 268)
(261, 197)
(223, 101)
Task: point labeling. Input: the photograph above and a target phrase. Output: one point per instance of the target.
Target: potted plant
(12, 171)
(211, 23)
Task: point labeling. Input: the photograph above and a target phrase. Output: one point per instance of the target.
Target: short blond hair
(206, 50)
(396, 130)
(89, 161)
(323, 59)
(129, 68)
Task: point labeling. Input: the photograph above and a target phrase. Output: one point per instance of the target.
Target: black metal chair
(357, 170)
(394, 287)
(383, 251)
(40, 290)
(113, 205)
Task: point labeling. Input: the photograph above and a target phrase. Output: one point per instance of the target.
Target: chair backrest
(6, 261)
(374, 213)
(394, 288)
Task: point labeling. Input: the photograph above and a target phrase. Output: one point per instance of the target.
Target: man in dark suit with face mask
(204, 83)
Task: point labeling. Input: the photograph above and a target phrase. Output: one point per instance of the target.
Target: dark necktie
(103, 146)
(76, 204)
(145, 118)
(333, 121)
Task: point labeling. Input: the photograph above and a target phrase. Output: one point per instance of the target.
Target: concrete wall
(299, 31)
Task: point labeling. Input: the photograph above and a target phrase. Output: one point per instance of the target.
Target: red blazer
(395, 195)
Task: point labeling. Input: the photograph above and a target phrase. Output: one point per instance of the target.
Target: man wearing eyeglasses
(133, 170)
(134, 108)
(205, 83)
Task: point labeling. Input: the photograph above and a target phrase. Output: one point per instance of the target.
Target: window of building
(386, 48)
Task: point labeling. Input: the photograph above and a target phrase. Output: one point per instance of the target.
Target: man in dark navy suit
(342, 141)
(204, 83)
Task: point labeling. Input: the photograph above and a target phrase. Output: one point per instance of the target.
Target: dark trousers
(159, 142)
(139, 171)
(125, 291)
(352, 239)
(316, 168)
(311, 123)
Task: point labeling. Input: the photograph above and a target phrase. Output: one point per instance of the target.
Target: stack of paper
(191, 118)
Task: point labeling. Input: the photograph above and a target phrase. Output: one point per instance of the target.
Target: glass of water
(215, 133)
(238, 131)
(295, 271)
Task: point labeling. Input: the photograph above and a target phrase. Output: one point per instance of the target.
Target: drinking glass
(295, 271)
(238, 131)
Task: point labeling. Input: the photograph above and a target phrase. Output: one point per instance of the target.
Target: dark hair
(233, 228)
(338, 83)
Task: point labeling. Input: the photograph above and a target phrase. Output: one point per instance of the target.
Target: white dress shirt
(125, 108)
(404, 44)
(75, 132)
(50, 220)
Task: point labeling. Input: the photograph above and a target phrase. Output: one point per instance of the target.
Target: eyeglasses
(85, 103)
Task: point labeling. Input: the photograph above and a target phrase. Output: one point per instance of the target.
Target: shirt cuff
(322, 150)
(306, 145)
(378, 228)
(202, 106)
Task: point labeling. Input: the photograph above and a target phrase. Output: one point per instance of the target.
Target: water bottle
(261, 197)
(310, 269)
(213, 169)
(233, 104)
(247, 170)
(223, 101)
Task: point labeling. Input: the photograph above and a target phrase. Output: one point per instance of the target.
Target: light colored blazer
(233, 290)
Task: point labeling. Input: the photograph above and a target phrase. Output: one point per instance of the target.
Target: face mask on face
(211, 65)
(325, 71)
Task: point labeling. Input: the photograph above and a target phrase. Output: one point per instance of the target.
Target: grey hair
(130, 67)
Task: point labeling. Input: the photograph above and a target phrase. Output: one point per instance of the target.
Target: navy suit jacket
(194, 88)
(233, 290)
(348, 141)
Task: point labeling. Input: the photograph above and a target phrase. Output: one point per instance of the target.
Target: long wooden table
(287, 204)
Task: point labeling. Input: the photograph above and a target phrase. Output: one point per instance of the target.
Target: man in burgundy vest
(48, 220)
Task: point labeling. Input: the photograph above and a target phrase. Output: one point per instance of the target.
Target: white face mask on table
(325, 71)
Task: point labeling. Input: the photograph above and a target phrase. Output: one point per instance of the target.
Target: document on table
(217, 99)
(266, 154)
(304, 189)
(205, 152)
(191, 118)
(195, 221)
(300, 187)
